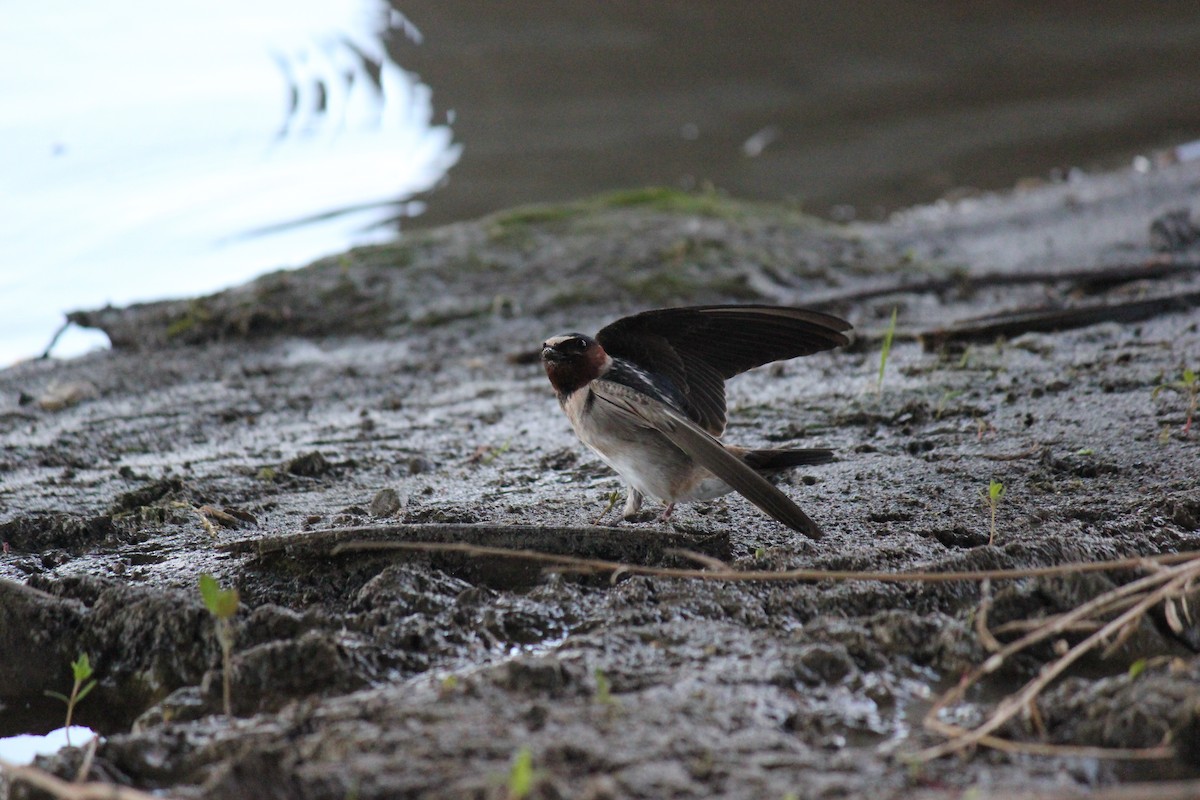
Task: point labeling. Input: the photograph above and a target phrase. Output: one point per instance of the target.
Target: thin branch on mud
(45, 356)
(1085, 626)
(65, 790)
(1077, 751)
(1136, 598)
(1025, 625)
(566, 563)
(1049, 320)
(1090, 277)
(699, 558)
(624, 544)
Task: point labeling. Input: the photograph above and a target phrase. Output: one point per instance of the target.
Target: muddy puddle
(389, 394)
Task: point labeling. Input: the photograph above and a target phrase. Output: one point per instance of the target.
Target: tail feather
(776, 460)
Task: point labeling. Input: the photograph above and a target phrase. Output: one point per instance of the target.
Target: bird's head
(572, 361)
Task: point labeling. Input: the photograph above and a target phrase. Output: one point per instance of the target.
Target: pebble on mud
(309, 465)
(418, 465)
(385, 503)
(64, 395)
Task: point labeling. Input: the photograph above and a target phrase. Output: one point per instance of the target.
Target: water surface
(167, 149)
(848, 109)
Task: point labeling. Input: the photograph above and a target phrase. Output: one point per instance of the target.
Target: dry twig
(1135, 598)
(567, 563)
(699, 558)
(65, 790)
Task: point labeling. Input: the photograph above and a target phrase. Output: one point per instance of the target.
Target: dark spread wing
(706, 451)
(655, 384)
(700, 347)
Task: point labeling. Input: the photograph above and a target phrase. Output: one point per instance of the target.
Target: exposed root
(57, 787)
(1166, 585)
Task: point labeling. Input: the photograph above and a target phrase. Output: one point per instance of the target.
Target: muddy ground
(395, 388)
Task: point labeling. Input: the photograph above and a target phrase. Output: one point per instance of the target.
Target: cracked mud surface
(393, 386)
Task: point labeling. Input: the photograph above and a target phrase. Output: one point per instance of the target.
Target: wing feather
(706, 451)
(700, 347)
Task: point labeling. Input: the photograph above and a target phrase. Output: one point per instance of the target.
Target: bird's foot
(633, 502)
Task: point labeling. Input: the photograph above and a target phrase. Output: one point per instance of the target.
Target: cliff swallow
(647, 394)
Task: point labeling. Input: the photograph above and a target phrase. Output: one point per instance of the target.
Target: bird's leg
(666, 515)
(633, 502)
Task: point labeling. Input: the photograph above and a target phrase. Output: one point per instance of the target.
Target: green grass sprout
(495, 452)
(886, 349)
(995, 493)
(603, 688)
(222, 604)
(613, 498)
(521, 775)
(81, 670)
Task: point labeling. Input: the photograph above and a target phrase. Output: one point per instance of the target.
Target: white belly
(643, 457)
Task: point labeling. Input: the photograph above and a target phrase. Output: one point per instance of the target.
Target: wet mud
(392, 394)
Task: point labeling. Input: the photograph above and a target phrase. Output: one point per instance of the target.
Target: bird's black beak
(550, 354)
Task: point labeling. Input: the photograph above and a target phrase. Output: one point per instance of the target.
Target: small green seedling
(612, 499)
(492, 453)
(886, 349)
(1189, 385)
(222, 604)
(947, 396)
(81, 669)
(995, 493)
(603, 688)
(521, 775)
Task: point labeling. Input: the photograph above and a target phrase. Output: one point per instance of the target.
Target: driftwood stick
(602, 542)
(1090, 278)
(593, 565)
(1015, 323)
